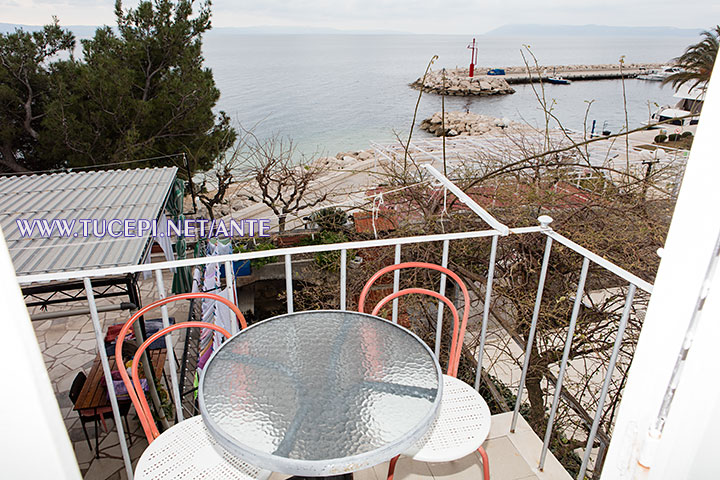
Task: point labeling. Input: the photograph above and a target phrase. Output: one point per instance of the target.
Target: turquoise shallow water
(335, 93)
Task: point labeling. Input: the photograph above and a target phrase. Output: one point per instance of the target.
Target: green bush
(330, 219)
(686, 134)
(250, 247)
(660, 138)
(673, 137)
(331, 260)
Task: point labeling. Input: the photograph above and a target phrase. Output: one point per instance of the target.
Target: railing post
(396, 283)
(441, 305)
(230, 284)
(486, 311)
(343, 279)
(608, 377)
(108, 376)
(563, 363)
(288, 283)
(169, 344)
(531, 333)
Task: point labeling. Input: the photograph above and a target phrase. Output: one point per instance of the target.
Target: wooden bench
(94, 397)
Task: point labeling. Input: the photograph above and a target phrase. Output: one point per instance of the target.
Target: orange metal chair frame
(444, 299)
(455, 350)
(134, 387)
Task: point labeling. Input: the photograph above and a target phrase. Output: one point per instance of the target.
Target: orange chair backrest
(134, 387)
(458, 331)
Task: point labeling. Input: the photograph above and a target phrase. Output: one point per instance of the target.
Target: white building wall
(682, 452)
(34, 441)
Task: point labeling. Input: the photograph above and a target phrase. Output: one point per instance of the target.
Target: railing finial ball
(545, 220)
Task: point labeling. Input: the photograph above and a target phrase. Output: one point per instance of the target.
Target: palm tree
(697, 61)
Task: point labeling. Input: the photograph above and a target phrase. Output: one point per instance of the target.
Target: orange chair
(463, 420)
(187, 449)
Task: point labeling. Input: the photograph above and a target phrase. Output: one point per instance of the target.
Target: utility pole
(443, 120)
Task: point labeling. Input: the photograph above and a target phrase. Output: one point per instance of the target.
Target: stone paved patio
(69, 347)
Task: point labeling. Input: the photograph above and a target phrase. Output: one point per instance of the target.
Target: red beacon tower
(473, 57)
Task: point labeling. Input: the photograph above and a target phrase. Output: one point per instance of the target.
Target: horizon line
(332, 30)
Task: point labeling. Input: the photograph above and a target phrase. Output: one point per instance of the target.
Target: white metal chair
(463, 420)
(187, 449)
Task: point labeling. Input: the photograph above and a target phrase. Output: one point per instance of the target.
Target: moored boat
(558, 80)
(659, 75)
(685, 111)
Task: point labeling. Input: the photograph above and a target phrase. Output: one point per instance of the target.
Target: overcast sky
(417, 16)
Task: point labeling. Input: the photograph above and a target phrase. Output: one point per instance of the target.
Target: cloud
(420, 16)
(459, 16)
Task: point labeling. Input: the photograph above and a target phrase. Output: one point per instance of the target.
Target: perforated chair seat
(461, 426)
(188, 451)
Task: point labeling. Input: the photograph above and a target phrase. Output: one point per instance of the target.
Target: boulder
(464, 124)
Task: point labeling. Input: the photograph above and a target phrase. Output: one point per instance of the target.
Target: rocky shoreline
(457, 82)
(463, 124)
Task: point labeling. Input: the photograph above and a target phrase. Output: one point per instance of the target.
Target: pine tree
(140, 92)
(25, 72)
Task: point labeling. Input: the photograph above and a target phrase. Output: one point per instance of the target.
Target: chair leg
(391, 468)
(127, 429)
(97, 438)
(486, 463)
(87, 437)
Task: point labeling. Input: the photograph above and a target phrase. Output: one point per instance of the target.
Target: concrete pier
(517, 75)
(458, 82)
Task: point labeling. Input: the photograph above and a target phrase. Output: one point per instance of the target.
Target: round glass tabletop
(320, 393)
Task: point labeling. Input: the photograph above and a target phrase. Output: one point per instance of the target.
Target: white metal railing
(498, 230)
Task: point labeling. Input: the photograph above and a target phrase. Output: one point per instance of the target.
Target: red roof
(385, 221)
(399, 204)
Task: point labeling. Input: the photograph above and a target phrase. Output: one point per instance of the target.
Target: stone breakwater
(515, 75)
(576, 68)
(463, 124)
(457, 82)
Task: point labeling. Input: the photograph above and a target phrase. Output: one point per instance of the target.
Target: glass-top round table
(320, 393)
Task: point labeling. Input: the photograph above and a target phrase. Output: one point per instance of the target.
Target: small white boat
(558, 80)
(659, 75)
(690, 103)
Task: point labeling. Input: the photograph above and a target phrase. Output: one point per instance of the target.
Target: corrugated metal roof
(102, 195)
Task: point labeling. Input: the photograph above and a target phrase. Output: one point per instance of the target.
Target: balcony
(70, 345)
(575, 390)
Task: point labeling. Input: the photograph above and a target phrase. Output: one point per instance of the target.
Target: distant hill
(281, 30)
(85, 31)
(82, 31)
(590, 31)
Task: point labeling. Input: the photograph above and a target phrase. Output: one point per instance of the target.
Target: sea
(337, 93)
